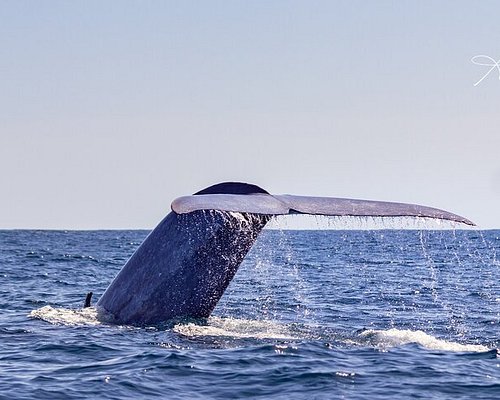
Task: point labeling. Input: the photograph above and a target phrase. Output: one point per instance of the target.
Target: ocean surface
(310, 315)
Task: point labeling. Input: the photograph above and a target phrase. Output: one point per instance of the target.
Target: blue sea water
(310, 315)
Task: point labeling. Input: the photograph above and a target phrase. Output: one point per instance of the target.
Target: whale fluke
(186, 263)
(259, 203)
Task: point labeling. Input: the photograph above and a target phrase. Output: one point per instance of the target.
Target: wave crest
(396, 337)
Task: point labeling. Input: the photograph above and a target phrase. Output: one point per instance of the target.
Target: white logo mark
(486, 61)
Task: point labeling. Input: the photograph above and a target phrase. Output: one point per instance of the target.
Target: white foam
(259, 329)
(66, 316)
(236, 328)
(396, 337)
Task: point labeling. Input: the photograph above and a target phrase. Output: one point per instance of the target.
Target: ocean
(311, 314)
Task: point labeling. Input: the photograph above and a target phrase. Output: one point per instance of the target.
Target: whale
(185, 264)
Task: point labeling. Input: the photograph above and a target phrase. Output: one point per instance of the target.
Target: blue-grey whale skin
(182, 268)
(185, 264)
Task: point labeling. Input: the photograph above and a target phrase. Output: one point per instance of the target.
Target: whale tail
(186, 263)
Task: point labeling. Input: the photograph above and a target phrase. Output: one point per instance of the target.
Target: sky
(109, 110)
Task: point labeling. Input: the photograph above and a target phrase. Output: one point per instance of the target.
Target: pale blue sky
(110, 110)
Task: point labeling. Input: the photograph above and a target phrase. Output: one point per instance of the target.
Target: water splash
(237, 328)
(385, 339)
(67, 316)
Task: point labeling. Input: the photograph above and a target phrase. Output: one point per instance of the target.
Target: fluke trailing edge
(186, 263)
